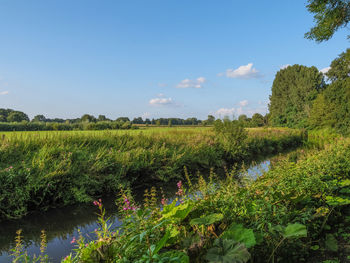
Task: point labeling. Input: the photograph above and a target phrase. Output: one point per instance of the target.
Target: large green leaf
(295, 231)
(162, 242)
(179, 212)
(240, 234)
(331, 243)
(207, 220)
(337, 200)
(227, 251)
(174, 256)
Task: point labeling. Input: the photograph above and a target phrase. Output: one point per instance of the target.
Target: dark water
(62, 224)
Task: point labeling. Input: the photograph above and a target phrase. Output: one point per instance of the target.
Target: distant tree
(340, 67)
(267, 119)
(226, 119)
(329, 15)
(257, 120)
(17, 116)
(242, 118)
(88, 118)
(147, 121)
(293, 91)
(102, 118)
(170, 123)
(138, 120)
(210, 119)
(4, 113)
(39, 118)
(59, 120)
(123, 119)
(158, 122)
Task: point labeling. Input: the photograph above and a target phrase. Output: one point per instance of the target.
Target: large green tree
(332, 106)
(257, 120)
(17, 116)
(293, 91)
(39, 118)
(4, 113)
(329, 16)
(340, 67)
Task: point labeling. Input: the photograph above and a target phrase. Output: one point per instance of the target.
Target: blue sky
(154, 58)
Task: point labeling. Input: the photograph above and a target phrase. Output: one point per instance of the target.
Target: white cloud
(161, 101)
(190, 83)
(243, 72)
(325, 70)
(285, 66)
(4, 92)
(243, 103)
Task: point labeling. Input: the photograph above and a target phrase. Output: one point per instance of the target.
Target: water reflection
(61, 225)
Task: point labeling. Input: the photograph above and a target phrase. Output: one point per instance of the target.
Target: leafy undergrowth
(296, 212)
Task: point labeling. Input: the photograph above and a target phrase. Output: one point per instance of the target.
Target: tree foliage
(17, 116)
(257, 120)
(340, 67)
(293, 92)
(329, 16)
(332, 107)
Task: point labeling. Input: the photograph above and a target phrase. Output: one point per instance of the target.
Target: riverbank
(296, 212)
(44, 170)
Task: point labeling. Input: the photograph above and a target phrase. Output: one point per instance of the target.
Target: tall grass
(39, 170)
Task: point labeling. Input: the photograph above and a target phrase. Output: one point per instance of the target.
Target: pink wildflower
(164, 201)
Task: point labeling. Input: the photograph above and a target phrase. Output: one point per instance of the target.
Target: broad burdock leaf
(207, 220)
(240, 234)
(227, 251)
(295, 231)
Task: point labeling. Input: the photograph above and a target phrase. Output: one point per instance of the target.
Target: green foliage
(339, 69)
(329, 15)
(293, 91)
(207, 220)
(331, 243)
(257, 120)
(49, 169)
(232, 136)
(332, 107)
(284, 216)
(295, 231)
(227, 251)
(240, 234)
(17, 116)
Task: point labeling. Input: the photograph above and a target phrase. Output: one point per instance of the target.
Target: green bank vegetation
(295, 212)
(47, 169)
